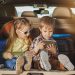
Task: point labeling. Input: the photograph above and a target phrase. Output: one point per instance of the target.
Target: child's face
(46, 31)
(23, 32)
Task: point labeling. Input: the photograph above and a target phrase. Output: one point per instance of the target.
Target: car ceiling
(68, 3)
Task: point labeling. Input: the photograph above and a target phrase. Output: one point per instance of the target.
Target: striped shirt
(36, 41)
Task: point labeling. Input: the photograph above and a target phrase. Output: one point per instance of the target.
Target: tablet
(49, 42)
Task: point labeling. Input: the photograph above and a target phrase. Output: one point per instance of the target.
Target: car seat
(62, 26)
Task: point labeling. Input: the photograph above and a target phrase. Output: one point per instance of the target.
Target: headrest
(44, 12)
(28, 14)
(62, 12)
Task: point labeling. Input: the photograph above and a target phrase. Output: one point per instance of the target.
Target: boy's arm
(34, 47)
(37, 45)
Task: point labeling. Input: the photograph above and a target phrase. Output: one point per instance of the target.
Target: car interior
(64, 29)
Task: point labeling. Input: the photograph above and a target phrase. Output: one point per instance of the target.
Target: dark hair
(46, 20)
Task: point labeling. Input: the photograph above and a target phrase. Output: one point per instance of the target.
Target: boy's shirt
(36, 41)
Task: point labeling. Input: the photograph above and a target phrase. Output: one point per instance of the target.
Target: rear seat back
(62, 12)
(32, 17)
(63, 15)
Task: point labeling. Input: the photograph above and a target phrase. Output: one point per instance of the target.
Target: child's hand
(51, 48)
(39, 46)
(8, 55)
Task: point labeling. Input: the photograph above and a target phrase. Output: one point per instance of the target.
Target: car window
(46, 12)
(73, 10)
(20, 9)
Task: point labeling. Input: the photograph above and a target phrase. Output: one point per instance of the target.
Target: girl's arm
(8, 54)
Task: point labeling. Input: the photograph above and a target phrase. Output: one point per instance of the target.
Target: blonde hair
(46, 20)
(12, 34)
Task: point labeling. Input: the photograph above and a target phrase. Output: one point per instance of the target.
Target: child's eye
(50, 31)
(25, 32)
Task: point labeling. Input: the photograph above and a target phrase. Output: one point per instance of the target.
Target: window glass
(73, 10)
(20, 9)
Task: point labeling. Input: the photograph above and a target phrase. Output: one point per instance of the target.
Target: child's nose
(48, 33)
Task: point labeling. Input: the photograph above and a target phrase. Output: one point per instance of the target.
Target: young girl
(18, 45)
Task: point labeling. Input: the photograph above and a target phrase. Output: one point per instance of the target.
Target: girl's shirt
(20, 46)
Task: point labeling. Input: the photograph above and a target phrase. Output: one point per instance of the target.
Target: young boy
(45, 53)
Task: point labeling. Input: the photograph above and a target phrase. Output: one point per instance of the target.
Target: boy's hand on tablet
(51, 48)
